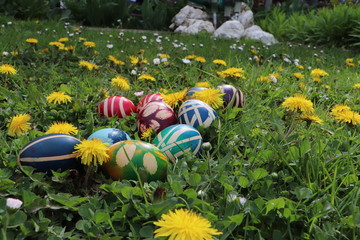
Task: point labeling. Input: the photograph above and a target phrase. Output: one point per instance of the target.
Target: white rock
(230, 29)
(256, 33)
(194, 26)
(187, 13)
(245, 16)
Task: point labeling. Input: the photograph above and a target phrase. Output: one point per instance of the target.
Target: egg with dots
(116, 106)
(110, 135)
(50, 152)
(132, 158)
(148, 98)
(233, 97)
(177, 139)
(196, 113)
(156, 115)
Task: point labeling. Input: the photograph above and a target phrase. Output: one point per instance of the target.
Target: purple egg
(233, 97)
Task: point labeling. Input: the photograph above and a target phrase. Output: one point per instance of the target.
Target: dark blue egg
(233, 97)
(50, 152)
(110, 135)
(196, 113)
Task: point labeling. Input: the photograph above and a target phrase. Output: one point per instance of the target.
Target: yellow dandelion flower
(203, 84)
(147, 133)
(219, 62)
(120, 83)
(349, 62)
(59, 45)
(317, 79)
(356, 85)
(8, 69)
(147, 77)
(90, 66)
(164, 55)
(299, 75)
(92, 152)
(317, 72)
(14, 53)
(174, 99)
(81, 39)
(254, 51)
(19, 124)
(58, 98)
(190, 57)
(232, 72)
(339, 108)
(184, 224)
(200, 59)
(89, 44)
(70, 48)
(213, 97)
(264, 79)
(116, 61)
(64, 39)
(311, 118)
(62, 127)
(298, 102)
(347, 116)
(300, 66)
(104, 92)
(32, 40)
(134, 60)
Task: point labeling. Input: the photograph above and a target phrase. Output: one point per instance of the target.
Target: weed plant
(269, 174)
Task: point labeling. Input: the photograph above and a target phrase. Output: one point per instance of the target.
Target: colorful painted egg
(196, 113)
(116, 106)
(148, 98)
(127, 157)
(233, 96)
(176, 139)
(156, 115)
(50, 152)
(193, 90)
(110, 135)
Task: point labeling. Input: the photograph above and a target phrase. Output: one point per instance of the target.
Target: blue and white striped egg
(177, 139)
(110, 135)
(196, 113)
(50, 152)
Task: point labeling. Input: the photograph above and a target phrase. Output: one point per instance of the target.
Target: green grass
(300, 180)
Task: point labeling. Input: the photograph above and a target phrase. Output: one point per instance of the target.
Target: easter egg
(156, 115)
(50, 152)
(148, 98)
(116, 106)
(196, 113)
(133, 156)
(176, 139)
(110, 135)
(233, 97)
(193, 90)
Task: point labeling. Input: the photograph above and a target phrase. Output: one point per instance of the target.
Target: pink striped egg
(156, 115)
(116, 106)
(148, 98)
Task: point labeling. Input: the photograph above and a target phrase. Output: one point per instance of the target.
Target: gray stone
(194, 26)
(256, 33)
(187, 13)
(230, 29)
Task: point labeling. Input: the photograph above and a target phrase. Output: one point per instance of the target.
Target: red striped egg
(50, 152)
(116, 106)
(156, 115)
(148, 98)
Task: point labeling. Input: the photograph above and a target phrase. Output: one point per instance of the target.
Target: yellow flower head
(200, 59)
(299, 75)
(19, 124)
(59, 45)
(213, 97)
(232, 72)
(203, 84)
(70, 48)
(317, 72)
(349, 62)
(300, 66)
(134, 60)
(89, 44)
(147, 133)
(356, 85)
(62, 127)
(7, 69)
(92, 152)
(120, 83)
(116, 61)
(90, 66)
(174, 99)
(164, 55)
(219, 62)
(298, 102)
(310, 117)
(32, 40)
(81, 39)
(347, 116)
(147, 77)
(339, 108)
(64, 39)
(190, 57)
(264, 79)
(183, 224)
(254, 51)
(58, 98)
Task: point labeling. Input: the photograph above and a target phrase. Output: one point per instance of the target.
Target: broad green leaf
(17, 219)
(147, 232)
(275, 204)
(243, 181)
(258, 174)
(68, 199)
(176, 187)
(101, 217)
(238, 218)
(194, 179)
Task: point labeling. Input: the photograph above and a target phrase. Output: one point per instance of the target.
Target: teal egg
(177, 139)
